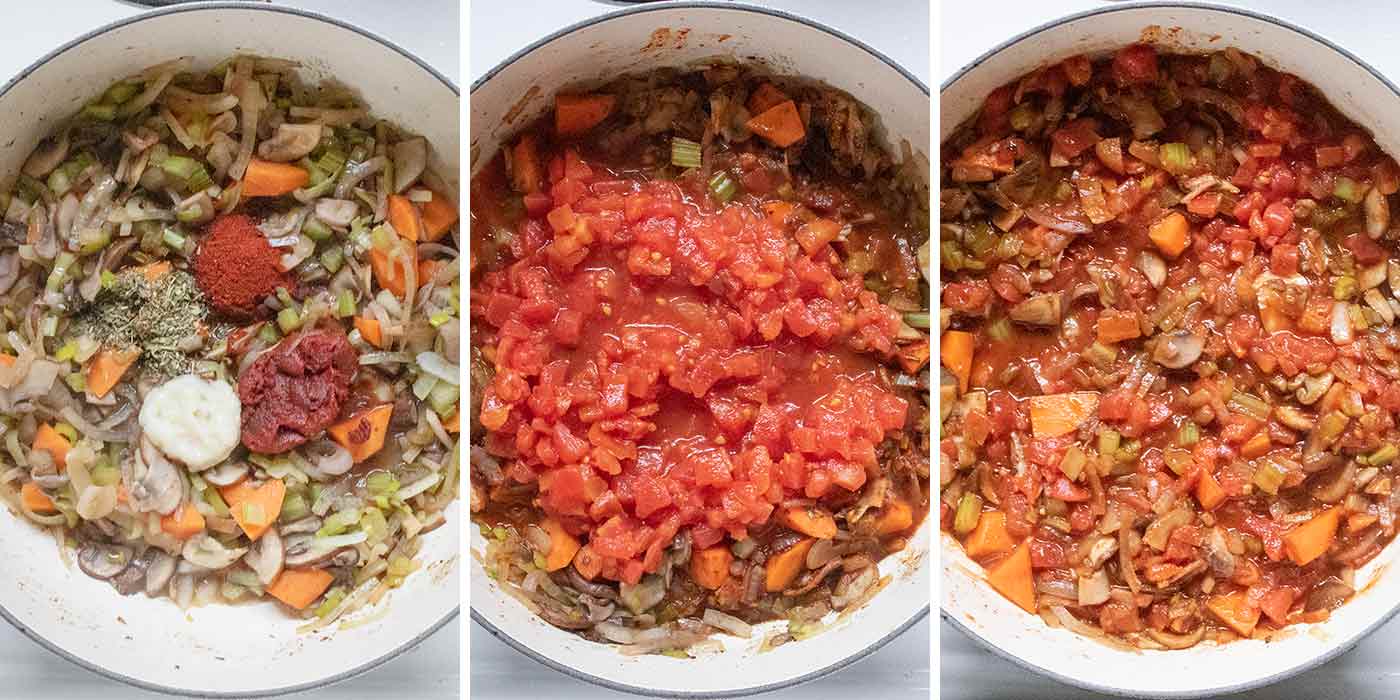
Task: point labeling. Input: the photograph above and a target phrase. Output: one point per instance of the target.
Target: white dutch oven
(223, 651)
(641, 39)
(1207, 669)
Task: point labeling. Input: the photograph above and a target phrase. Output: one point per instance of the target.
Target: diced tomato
(1135, 64)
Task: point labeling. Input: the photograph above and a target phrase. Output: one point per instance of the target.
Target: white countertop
(29, 672)
(900, 30)
(1366, 29)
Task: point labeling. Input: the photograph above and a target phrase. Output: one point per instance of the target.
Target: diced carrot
(895, 516)
(1235, 611)
(299, 588)
(370, 330)
(1116, 326)
(394, 277)
(267, 179)
(913, 356)
(710, 566)
(1171, 233)
(777, 212)
(527, 176)
(765, 97)
(255, 508)
(784, 566)
(363, 434)
(184, 523)
(106, 368)
(1356, 522)
(588, 563)
(53, 442)
(453, 423)
(403, 216)
(955, 350)
(7, 359)
(1257, 446)
(780, 124)
(1311, 540)
(562, 545)
(1209, 492)
(1059, 414)
(576, 114)
(811, 521)
(439, 215)
(156, 270)
(1274, 319)
(426, 270)
(989, 537)
(1012, 578)
(36, 500)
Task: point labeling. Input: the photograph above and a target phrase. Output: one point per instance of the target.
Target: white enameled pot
(1205, 670)
(680, 34)
(251, 649)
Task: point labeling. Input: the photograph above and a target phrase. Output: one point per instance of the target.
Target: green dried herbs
(154, 316)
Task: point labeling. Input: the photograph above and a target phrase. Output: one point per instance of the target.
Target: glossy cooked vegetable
(1170, 359)
(700, 359)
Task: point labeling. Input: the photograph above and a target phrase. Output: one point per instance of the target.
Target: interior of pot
(249, 648)
(1207, 668)
(523, 89)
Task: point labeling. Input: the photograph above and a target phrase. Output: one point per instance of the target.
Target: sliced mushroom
(103, 561)
(47, 156)
(159, 571)
(410, 159)
(1152, 267)
(205, 551)
(347, 556)
(1377, 213)
(1294, 418)
(157, 486)
(1039, 310)
(1218, 555)
(133, 578)
(265, 557)
(1094, 588)
(336, 212)
(1100, 551)
(226, 474)
(309, 524)
(291, 142)
(328, 458)
(301, 551)
(1313, 388)
(1178, 641)
(1178, 349)
(1330, 486)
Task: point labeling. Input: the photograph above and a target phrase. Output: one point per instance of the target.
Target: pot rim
(117, 675)
(1316, 661)
(839, 664)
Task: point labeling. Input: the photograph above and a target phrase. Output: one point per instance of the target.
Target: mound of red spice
(237, 268)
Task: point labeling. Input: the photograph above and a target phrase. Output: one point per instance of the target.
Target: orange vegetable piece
(154, 271)
(1356, 522)
(439, 214)
(106, 368)
(989, 537)
(453, 423)
(1116, 326)
(1012, 578)
(576, 114)
(1059, 414)
(810, 521)
(1311, 540)
(1171, 233)
(780, 124)
(710, 566)
(394, 277)
(36, 500)
(255, 508)
(784, 566)
(913, 356)
(765, 97)
(403, 216)
(299, 588)
(955, 350)
(267, 179)
(51, 441)
(587, 563)
(184, 523)
(526, 175)
(370, 330)
(363, 434)
(562, 545)
(1208, 492)
(895, 516)
(778, 212)
(1234, 610)
(1257, 446)
(7, 359)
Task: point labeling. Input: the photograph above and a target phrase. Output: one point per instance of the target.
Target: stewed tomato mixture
(1168, 346)
(685, 368)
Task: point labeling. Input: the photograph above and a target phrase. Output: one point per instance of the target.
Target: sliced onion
(728, 623)
(438, 366)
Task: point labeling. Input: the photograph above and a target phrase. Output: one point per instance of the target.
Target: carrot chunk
(784, 566)
(394, 276)
(765, 97)
(1116, 326)
(1235, 611)
(36, 500)
(710, 566)
(1171, 233)
(369, 330)
(184, 523)
(562, 545)
(363, 435)
(1058, 414)
(403, 216)
(255, 509)
(439, 215)
(576, 114)
(1012, 578)
(1311, 540)
(299, 588)
(51, 441)
(895, 516)
(955, 350)
(780, 124)
(106, 368)
(527, 177)
(267, 179)
(810, 521)
(1209, 492)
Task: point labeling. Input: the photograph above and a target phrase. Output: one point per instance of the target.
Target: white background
(1367, 29)
(899, 29)
(27, 671)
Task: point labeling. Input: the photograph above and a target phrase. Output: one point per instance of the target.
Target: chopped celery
(1177, 459)
(684, 153)
(294, 507)
(268, 333)
(969, 512)
(345, 303)
(254, 514)
(443, 398)
(199, 179)
(1072, 464)
(104, 474)
(108, 278)
(999, 330)
(423, 385)
(1349, 190)
(1175, 157)
(76, 382)
(1269, 476)
(120, 92)
(66, 351)
(332, 259)
(289, 319)
(722, 187)
(382, 483)
(1383, 456)
(339, 522)
(190, 213)
(66, 431)
(1109, 440)
(59, 182)
(331, 602)
(316, 229)
(1190, 434)
(181, 167)
(100, 112)
(917, 320)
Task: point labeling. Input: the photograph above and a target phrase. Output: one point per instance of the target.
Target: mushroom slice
(47, 156)
(103, 561)
(226, 474)
(265, 557)
(336, 212)
(158, 486)
(410, 158)
(133, 578)
(1039, 310)
(1178, 349)
(328, 458)
(291, 142)
(159, 571)
(205, 551)
(309, 524)
(1178, 641)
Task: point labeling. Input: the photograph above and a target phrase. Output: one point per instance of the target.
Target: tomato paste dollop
(663, 366)
(295, 389)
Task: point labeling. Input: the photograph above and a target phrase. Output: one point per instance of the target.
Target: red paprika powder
(237, 268)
